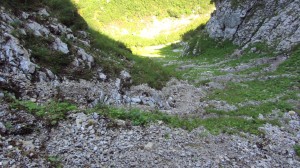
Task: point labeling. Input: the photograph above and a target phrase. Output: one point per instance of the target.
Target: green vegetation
(214, 125)
(292, 64)
(208, 49)
(253, 110)
(55, 161)
(297, 150)
(56, 61)
(125, 20)
(271, 93)
(51, 112)
(256, 90)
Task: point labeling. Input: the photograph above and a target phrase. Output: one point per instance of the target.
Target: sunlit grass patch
(253, 90)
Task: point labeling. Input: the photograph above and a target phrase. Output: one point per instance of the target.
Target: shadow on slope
(114, 57)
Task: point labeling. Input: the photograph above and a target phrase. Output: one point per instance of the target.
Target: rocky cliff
(246, 22)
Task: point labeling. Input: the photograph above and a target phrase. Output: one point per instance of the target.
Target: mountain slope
(130, 21)
(70, 97)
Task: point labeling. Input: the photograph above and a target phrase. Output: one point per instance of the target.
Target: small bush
(51, 112)
(297, 150)
(55, 161)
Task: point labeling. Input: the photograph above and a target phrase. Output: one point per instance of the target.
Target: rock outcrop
(276, 23)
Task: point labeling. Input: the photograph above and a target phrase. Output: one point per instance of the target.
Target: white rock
(149, 146)
(60, 46)
(125, 75)
(50, 74)
(37, 29)
(121, 123)
(118, 83)
(43, 12)
(25, 15)
(102, 76)
(2, 128)
(27, 66)
(261, 117)
(136, 100)
(1, 94)
(292, 113)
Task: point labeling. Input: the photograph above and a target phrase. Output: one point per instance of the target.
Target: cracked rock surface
(251, 21)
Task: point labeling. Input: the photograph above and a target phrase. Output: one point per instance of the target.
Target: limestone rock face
(250, 21)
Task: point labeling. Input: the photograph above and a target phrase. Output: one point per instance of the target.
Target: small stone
(9, 147)
(92, 131)
(121, 123)
(125, 76)
(95, 148)
(2, 128)
(24, 15)
(102, 76)
(43, 12)
(95, 116)
(253, 49)
(149, 146)
(292, 113)
(261, 117)
(118, 83)
(136, 100)
(27, 66)
(1, 95)
(60, 46)
(33, 100)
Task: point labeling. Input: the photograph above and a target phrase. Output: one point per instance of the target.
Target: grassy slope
(273, 94)
(116, 16)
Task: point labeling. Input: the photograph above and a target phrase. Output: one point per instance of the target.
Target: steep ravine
(86, 138)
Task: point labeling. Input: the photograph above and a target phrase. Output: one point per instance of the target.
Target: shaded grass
(113, 56)
(208, 50)
(56, 61)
